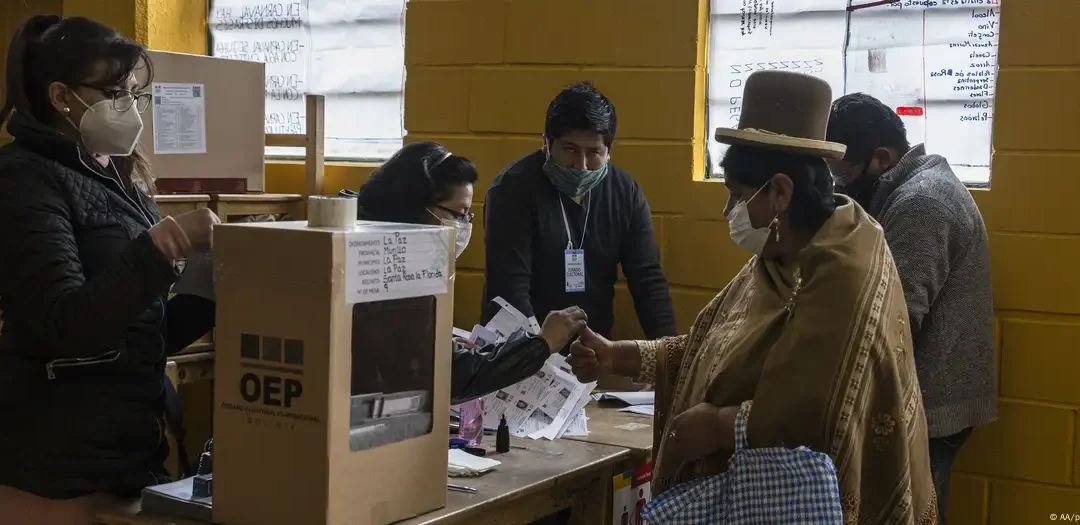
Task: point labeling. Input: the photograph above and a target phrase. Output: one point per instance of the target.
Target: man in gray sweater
(939, 242)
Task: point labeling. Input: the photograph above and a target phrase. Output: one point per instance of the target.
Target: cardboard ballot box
(332, 374)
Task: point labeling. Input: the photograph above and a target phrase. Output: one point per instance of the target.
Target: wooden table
(547, 477)
(231, 205)
(179, 204)
(542, 479)
(633, 432)
(608, 426)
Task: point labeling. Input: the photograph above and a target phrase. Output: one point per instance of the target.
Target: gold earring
(67, 110)
(776, 223)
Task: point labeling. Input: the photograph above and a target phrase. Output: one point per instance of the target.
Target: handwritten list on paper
(933, 61)
(278, 35)
(382, 263)
(936, 66)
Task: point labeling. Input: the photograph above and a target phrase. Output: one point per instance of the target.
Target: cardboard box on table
(287, 296)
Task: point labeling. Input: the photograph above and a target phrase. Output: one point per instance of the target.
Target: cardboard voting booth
(332, 376)
(204, 131)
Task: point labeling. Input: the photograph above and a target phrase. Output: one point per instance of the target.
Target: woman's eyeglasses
(458, 216)
(123, 99)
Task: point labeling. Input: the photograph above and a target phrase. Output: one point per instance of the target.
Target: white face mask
(106, 131)
(462, 233)
(743, 233)
(461, 236)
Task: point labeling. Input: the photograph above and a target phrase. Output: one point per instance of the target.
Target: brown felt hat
(784, 111)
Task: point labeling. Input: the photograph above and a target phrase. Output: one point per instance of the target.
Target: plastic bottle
(472, 422)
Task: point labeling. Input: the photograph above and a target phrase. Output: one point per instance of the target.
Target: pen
(460, 488)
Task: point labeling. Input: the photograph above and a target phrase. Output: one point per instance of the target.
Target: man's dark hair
(863, 124)
(580, 107)
(812, 200)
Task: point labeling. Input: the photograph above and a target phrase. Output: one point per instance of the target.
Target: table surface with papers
(609, 426)
(543, 478)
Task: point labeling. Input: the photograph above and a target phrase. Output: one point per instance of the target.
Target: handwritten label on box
(384, 262)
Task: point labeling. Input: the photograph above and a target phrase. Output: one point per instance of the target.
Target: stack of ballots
(548, 405)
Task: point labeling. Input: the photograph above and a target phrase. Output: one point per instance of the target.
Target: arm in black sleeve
(641, 265)
(42, 284)
(476, 373)
(188, 318)
(508, 238)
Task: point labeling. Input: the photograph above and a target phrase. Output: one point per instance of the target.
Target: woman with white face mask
(806, 346)
(85, 271)
(423, 183)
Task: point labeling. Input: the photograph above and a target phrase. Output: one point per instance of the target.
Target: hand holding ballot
(197, 225)
(562, 326)
(179, 237)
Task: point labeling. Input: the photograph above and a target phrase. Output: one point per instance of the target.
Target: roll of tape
(331, 212)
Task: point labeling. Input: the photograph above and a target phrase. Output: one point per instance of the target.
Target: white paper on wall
(351, 52)
(934, 63)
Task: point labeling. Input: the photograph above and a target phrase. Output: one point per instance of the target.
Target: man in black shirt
(560, 221)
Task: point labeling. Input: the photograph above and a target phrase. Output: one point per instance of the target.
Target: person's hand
(198, 225)
(562, 326)
(702, 430)
(178, 237)
(466, 343)
(591, 356)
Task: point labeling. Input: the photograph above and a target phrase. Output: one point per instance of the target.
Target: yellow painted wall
(480, 75)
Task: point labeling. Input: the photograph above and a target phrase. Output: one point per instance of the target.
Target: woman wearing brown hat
(811, 331)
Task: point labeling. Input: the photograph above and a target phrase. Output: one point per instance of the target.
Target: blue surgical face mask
(573, 182)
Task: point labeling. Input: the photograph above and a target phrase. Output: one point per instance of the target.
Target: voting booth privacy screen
(332, 375)
(204, 132)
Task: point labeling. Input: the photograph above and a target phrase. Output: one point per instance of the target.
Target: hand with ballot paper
(562, 326)
(179, 237)
(478, 370)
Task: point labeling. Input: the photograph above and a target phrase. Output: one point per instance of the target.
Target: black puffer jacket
(86, 325)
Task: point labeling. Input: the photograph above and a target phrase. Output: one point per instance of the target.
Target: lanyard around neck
(584, 228)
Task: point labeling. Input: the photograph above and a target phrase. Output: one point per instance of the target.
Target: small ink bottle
(502, 436)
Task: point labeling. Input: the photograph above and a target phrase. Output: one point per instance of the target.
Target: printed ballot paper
(548, 405)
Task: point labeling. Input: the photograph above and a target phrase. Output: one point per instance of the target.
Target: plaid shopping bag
(767, 486)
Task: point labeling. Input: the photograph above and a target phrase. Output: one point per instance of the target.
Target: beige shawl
(823, 349)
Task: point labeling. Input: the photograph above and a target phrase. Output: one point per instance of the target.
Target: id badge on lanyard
(574, 259)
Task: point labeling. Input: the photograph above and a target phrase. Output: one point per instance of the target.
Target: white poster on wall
(934, 63)
(276, 34)
(351, 52)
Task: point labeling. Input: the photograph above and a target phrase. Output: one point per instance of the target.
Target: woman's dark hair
(864, 124)
(580, 107)
(51, 48)
(417, 177)
(812, 201)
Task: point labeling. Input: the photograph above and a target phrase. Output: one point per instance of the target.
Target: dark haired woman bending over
(85, 269)
(423, 183)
